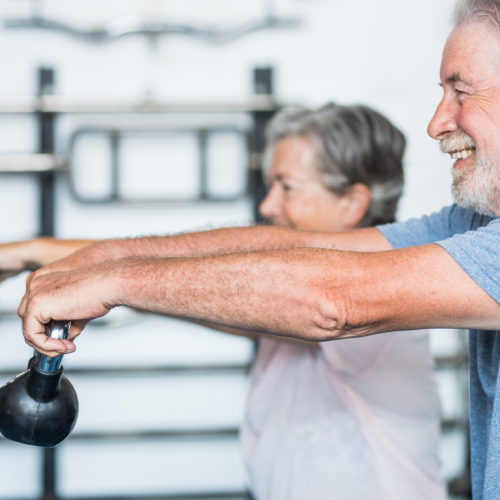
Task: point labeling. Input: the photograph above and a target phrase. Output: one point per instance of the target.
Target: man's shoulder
(466, 219)
(454, 220)
(438, 226)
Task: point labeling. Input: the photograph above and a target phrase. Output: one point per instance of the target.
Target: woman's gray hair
(352, 144)
(470, 10)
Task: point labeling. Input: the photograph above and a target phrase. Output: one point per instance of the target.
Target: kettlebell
(39, 406)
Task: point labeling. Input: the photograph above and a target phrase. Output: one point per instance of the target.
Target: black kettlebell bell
(40, 407)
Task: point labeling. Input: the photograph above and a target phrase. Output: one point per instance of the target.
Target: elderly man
(439, 271)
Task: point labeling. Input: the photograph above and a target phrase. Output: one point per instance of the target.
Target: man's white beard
(477, 187)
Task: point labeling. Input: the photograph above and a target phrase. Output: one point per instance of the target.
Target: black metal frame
(115, 137)
(46, 144)
(47, 181)
(229, 495)
(46, 131)
(49, 468)
(263, 84)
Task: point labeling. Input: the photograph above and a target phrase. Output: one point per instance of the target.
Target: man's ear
(358, 199)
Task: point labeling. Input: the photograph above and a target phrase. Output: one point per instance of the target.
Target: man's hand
(78, 296)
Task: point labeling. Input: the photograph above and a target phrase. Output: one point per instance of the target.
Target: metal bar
(30, 163)
(144, 370)
(194, 434)
(202, 138)
(263, 85)
(49, 474)
(65, 104)
(182, 434)
(216, 495)
(46, 122)
(458, 360)
(172, 370)
(172, 434)
(115, 165)
(47, 201)
(449, 424)
(117, 135)
(144, 25)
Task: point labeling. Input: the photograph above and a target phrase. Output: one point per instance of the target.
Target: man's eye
(286, 187)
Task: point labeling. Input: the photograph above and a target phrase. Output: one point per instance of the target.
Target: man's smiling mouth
(464, 153)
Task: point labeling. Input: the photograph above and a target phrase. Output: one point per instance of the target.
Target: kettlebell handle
(55, 330)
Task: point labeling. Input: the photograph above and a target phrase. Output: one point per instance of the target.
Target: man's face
(467, 121)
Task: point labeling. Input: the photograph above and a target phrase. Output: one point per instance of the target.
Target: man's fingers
(30, 277)
(22, 306)
(34, 334)
(50, 347)
(21, 310)
(77, 327)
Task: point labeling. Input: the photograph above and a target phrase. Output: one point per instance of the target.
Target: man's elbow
(326, 320)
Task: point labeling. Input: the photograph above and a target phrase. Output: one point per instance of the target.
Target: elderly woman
(353, 419)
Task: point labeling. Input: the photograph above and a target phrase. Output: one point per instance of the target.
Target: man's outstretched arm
(310, 294)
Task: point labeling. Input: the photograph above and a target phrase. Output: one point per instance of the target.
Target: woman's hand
(31, 255)
(17, 257)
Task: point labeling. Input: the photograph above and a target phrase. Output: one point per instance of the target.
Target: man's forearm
(313, 294)
(306, 293)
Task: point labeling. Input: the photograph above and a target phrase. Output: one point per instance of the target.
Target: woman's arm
(217, 242)
(32, 254)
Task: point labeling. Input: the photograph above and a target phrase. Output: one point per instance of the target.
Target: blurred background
(136, 117)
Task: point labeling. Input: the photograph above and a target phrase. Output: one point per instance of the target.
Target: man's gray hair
(352, 144)
(470, 10)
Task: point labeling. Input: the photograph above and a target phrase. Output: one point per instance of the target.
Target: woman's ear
(358, 199)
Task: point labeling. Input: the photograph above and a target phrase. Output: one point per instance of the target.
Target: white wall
(383, 53)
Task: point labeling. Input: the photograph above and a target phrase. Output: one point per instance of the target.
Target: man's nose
(270, 207)
(444, 120)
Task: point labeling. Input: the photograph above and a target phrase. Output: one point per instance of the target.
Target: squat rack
(46, 166)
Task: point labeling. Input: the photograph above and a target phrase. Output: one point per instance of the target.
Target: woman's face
(298, 199)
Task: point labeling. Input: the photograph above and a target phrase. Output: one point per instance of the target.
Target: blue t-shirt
(473, 241)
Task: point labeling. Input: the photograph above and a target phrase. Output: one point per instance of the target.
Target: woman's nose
(270, 208)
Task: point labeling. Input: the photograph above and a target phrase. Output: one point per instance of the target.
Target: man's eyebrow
(457, 77)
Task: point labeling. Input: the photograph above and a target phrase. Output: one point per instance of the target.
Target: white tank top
(356, 419)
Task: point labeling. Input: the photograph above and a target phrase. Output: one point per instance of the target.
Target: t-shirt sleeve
(478, 254)
(432, 228)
